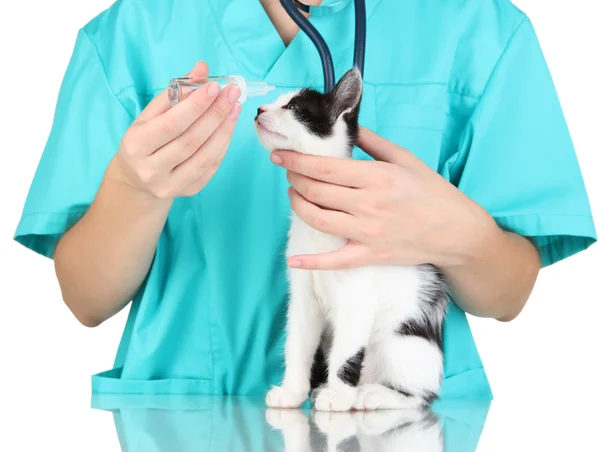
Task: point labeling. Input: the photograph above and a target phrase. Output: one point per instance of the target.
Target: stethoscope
(294, 8)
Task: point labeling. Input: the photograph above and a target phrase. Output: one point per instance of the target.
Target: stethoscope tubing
(293, 8)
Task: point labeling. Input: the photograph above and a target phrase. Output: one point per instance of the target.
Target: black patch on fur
(319, 112)
(423, 328)
(349, 373)
(319, 371)
(312, 111)
(346, 96)
(433, 301)
(399, 389)
(435, 294)
(428, 397)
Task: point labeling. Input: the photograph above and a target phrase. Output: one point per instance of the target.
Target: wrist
(118, 185)
(475, 234)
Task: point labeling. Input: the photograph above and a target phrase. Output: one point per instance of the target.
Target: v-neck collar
(257, 48)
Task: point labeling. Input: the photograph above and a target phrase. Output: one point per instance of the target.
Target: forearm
(496, 273)
(102, 261)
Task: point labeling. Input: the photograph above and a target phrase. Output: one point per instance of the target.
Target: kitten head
(311, 122)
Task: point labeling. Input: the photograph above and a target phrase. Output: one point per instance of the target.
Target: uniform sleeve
(517, 157)
(88, 124)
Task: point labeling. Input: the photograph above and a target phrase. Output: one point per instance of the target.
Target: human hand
(394, 211)
(174, 151)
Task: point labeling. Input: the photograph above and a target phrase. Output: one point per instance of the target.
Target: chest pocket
(413, 117)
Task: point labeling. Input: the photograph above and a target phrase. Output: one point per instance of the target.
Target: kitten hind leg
(410, 373)
(379, 397)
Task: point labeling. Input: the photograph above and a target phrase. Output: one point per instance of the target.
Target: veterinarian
(181, 210)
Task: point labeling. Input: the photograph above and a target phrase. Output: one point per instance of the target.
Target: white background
(542, 366)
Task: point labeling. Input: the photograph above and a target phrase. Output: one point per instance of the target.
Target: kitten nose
(260, 110)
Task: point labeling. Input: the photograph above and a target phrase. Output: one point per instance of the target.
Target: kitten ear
(347, 93)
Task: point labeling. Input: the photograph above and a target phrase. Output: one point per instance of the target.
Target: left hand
(393, 211)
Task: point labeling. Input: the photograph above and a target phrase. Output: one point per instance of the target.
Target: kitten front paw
(370, 397)
(281, 397)
(315, 393)
(329, 399)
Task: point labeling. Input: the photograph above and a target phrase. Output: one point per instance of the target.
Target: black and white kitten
(379, 327)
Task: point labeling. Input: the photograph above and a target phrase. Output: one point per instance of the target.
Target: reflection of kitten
(380, 327)
(414, 430)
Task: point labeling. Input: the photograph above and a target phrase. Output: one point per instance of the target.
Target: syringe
(180, 88)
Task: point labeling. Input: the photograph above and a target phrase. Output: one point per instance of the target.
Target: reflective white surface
(49, 420)
(165, 423)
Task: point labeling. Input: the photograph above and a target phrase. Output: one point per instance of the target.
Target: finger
(332, 222)
(346, 172)
(185, 145)
(381, 149)
(199, 71)
(160, 103)
(173, 123)
(156, 107)
(201, 166)
(352, 255)
(323, 194)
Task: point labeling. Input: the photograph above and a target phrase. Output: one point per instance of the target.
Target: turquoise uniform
(463, 85)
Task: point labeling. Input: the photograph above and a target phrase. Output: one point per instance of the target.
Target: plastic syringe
(180, 88)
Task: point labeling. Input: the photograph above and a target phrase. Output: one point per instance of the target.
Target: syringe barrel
(181, 88)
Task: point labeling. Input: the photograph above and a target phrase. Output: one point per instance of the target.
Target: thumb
(199, 71)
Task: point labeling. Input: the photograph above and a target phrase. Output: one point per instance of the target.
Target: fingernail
(276, 159)
(289, 191)
(235, 111)
(213, 89)
(233, 94)
(295, 264)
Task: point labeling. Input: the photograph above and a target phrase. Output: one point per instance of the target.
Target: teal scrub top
(463, 85)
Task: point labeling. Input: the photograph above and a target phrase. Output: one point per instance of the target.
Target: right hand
(174, 151)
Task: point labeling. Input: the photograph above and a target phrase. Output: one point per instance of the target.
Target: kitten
(379, 327)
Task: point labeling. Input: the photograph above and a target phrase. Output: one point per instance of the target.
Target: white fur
(363, 306)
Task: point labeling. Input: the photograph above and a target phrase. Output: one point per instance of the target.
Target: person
(464, 161)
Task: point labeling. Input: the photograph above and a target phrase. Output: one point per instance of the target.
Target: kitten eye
(291, 106)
